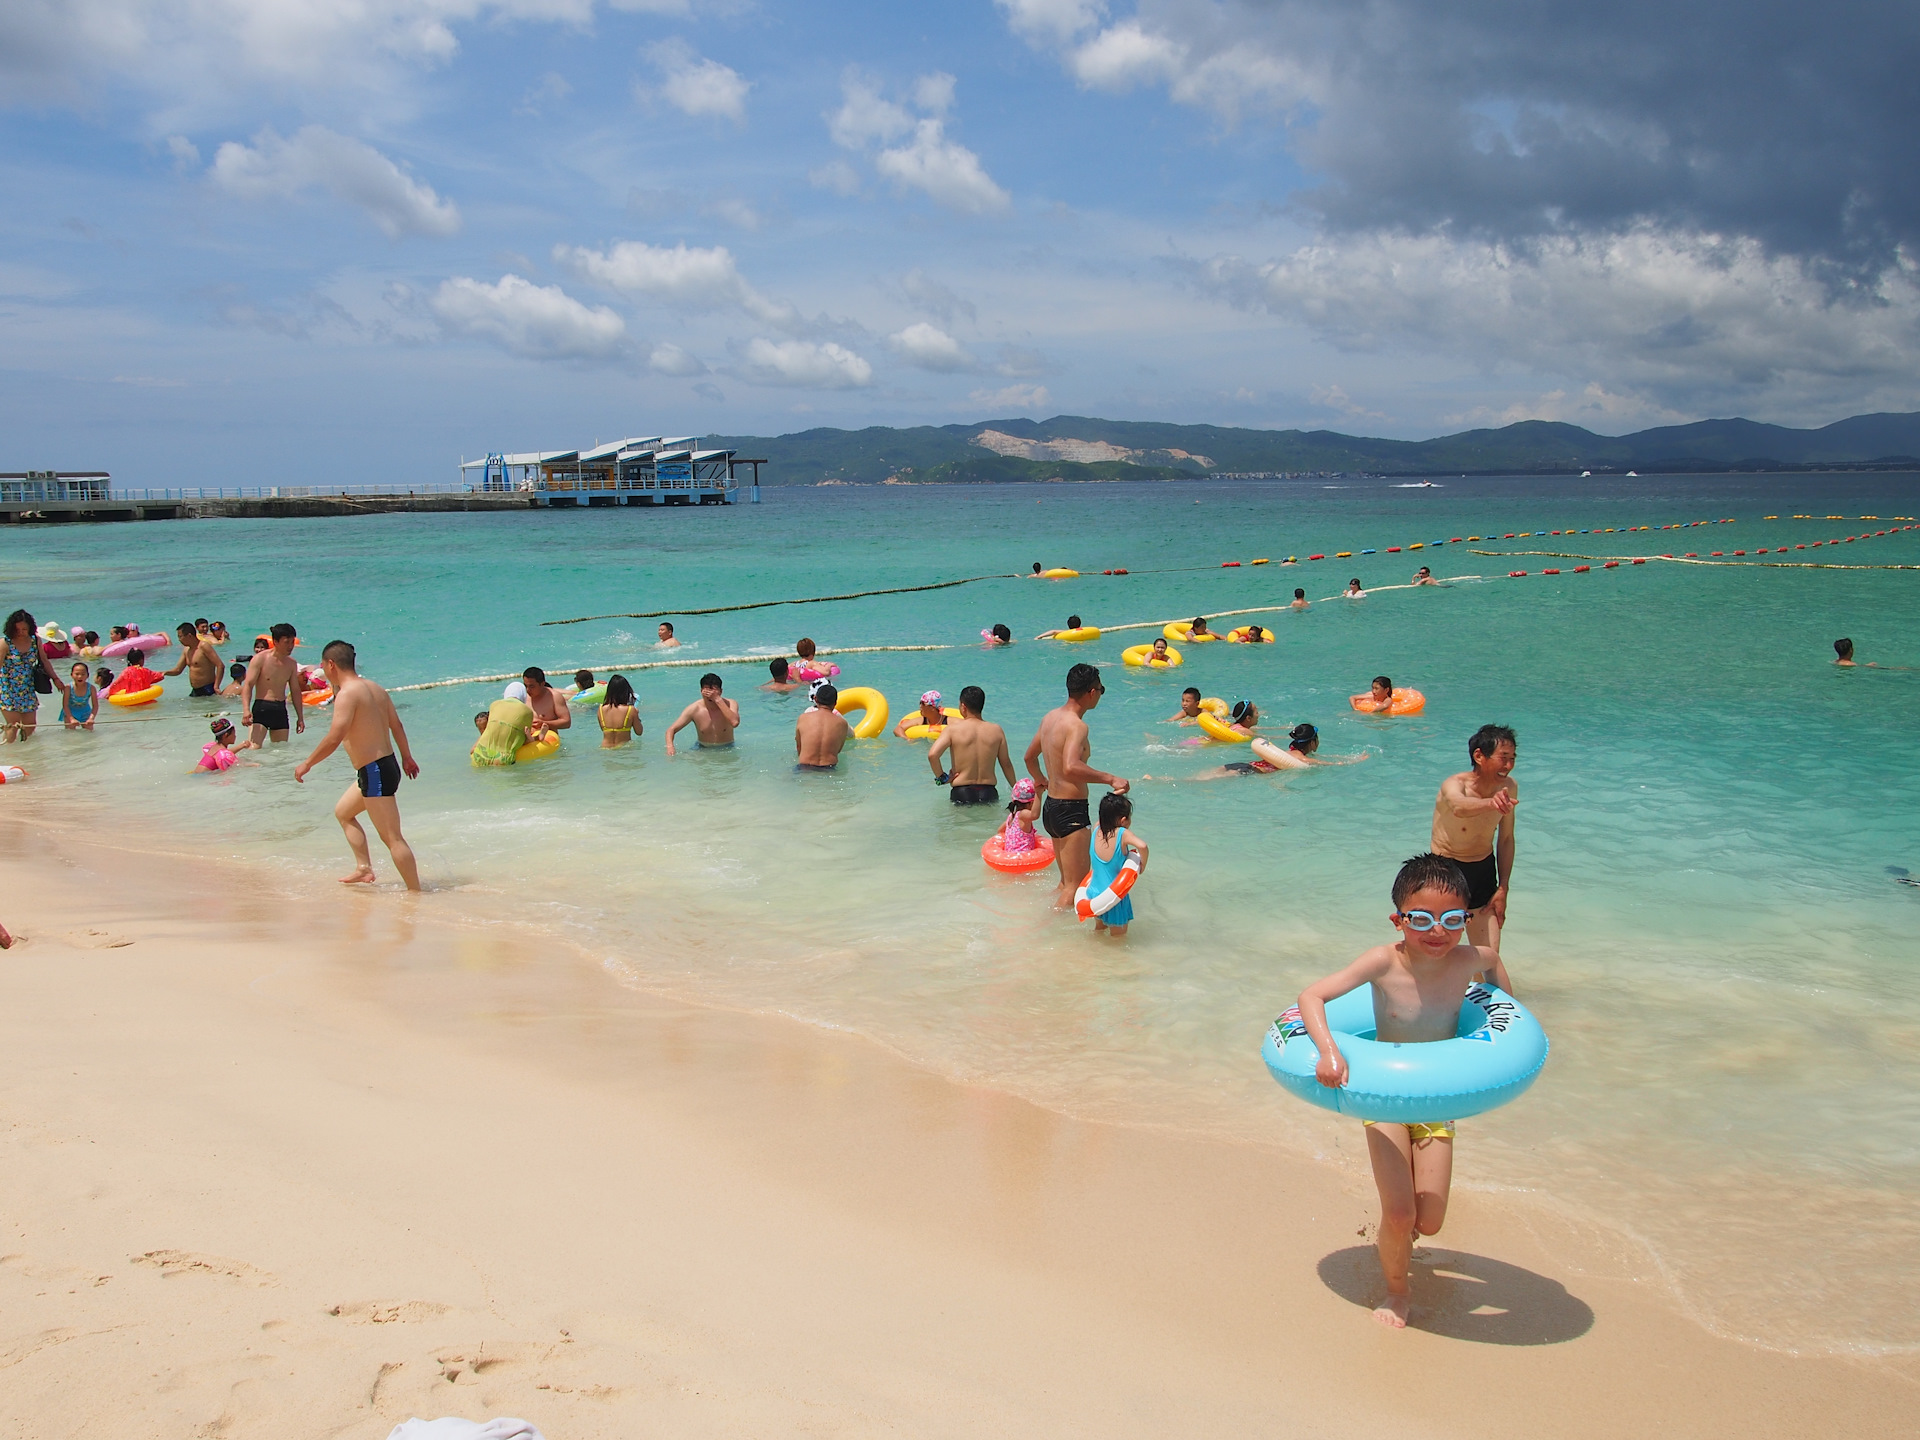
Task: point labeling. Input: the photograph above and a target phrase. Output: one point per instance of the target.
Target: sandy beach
(314, 1163)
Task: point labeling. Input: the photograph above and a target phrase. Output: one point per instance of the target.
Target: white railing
(283, 492)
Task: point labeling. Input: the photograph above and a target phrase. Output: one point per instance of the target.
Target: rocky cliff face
(1082, 452)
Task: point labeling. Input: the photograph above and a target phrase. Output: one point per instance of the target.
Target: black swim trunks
(1063, 817)
(804, 768)
(272, 714)
(974, 795)
(381, 778)
(1249, 767)
(1483, 878)
(201, 690)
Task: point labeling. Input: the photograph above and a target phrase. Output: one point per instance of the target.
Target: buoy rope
(623, 666)
(767, 604)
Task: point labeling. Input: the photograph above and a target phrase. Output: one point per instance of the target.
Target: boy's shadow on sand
(1466, 1297)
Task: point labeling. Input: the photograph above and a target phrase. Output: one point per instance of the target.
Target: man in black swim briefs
(273, 680)
(971, 747)
(1473, 826)
(1057, 760)
(365, 721)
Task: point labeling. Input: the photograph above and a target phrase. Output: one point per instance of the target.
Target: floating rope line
(1213, 615)
(767, 604)
(620, 666)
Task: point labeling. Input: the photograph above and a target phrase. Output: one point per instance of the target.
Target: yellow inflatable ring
(131, 698)
(1075, 637)
(538, 749)
(1404, 702)
(862, 697)
(1214, 705)
(1238, 635)
(1060, 574)
(1182, 634)
(1143, 655)
(1218, 729)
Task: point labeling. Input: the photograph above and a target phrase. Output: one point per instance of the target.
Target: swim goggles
(1424, 920)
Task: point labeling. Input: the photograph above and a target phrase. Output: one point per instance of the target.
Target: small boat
(1633, 474)
(1586, 474)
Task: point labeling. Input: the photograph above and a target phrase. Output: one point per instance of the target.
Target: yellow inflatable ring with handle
(1238, 635)
(1404, 702)
(927, 732)
(1181, 633)
(1214, 705)
(1076, 637)
(1143, 655)
(862, 697)
(1218, 729)
(130, 698)
(538, 749)
(1060, 574)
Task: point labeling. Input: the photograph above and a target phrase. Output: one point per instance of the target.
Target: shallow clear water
(1702, 912)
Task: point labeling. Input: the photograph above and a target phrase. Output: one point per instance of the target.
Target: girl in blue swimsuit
(1108, 854)
(83, 700)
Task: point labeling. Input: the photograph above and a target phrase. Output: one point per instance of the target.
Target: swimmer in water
(1073, 623)
(820, 732)
(1303, 741)
(667, 642)
(1189, 710)
(929, 714)
(780, 684)
(1159, 655)
(712, 716)
(1198, 630)
(1300, 601)
(997, 636)
(1418, 984)
(1037, 568)
(1354, 590)
(1256, 635)
(1843, 653)
(1424, 576)
(1378, 697)
(970, 748)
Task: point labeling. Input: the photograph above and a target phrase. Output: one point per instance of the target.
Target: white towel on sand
(451, 1428)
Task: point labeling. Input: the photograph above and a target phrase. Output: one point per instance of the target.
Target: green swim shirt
(506, 732)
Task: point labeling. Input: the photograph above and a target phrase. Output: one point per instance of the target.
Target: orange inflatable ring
(1404, 702)
(1086, 906)
(127, 699)
(1018, 862)
(316, 697)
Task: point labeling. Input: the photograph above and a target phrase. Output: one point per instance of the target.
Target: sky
(294, 241)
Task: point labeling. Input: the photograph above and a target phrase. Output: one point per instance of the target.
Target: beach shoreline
(327, 1161)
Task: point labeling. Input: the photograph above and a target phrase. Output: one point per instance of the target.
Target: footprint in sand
(184, 1262)
(96, 940)
(389, 1312)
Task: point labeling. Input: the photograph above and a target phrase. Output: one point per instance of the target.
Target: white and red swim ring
(1087, 906)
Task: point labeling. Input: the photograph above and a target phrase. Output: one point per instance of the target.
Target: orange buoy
(1515, 574)
(1581, 569)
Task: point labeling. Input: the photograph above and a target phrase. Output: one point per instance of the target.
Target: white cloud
(837, 176)
(697, 86)
(1014, 399)
(1669, 318)
(542, 322)
(864, 116)
(933, 92)
(186, 154)
(931, 348)
(1055, 20)
(1333, 397)
(1594, 405)
(669, 359)
(314, 157)
(950, 173)
(735, 212)
(805, 364)
(691, 276)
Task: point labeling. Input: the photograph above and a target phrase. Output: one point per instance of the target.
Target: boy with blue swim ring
(1419, 984)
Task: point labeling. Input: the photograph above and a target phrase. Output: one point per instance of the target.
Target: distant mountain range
(1077, 447)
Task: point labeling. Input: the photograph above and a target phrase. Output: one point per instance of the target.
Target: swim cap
(1023, 789)
(220, 722)
(932, 697)
(1240, 709)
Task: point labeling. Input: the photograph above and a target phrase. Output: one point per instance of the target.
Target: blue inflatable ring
(1496, 1054)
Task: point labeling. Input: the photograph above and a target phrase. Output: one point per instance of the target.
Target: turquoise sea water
(1702, 911)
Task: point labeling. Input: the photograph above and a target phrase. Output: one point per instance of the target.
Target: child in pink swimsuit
(1016, 836)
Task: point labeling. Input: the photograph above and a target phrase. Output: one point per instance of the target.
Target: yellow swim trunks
(1418, 1130)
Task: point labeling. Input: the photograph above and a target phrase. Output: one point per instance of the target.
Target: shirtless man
(1300, 601)
(1073, 623)
(713, 718)
(1424, 576)
(780, 684)
(198, 659)
(973, 746)
(1473, 825)
(1189, 706)
(1057, 760)
(667, 642)
(363, 718)
(549, 706)
(820, 732)
(273, 683)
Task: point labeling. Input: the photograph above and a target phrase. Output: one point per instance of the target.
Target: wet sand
(312, 1163)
